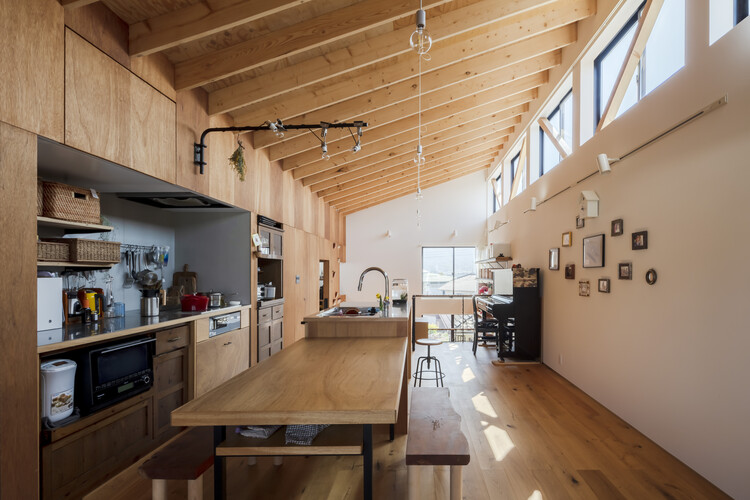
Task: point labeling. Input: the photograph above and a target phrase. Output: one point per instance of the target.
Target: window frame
(498, 180)
(740, 11)
(542, 135)
(453, 272)
(513, 164)
(603, 54)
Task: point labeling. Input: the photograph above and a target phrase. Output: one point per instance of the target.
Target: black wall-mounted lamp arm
(199, 148)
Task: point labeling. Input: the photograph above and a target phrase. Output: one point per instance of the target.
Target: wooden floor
(532, 436)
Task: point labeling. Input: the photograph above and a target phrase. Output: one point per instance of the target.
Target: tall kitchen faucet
(385, 275)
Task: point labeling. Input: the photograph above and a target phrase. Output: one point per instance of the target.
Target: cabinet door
(220, 358)
(78, 463)
(277, 329)
(265, 241)
(277, 244)
(170, 381)
(264, 334)
(152, 131)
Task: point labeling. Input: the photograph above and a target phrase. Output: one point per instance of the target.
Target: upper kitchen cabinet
(113, 114)
(31, 82)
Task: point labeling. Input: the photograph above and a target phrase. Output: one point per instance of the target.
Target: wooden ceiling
(305, 61)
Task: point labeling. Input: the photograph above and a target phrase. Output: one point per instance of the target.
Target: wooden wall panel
(32, 54)
(221, 145)
(191, 121)
(152, 131)
(97, 101)
(158, 71)
(19, 372)
(102, 28)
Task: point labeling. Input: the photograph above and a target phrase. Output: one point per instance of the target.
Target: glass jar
(400, 291)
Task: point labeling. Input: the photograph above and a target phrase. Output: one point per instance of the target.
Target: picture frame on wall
(570, 272)
(554, 259)
(640, 240)
(617, 227)
(567, 239)
(625, 271)
(593, 251)
(580, 222)
(604, 285)
(584, 288)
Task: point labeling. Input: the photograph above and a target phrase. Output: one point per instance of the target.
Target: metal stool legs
(419, 375)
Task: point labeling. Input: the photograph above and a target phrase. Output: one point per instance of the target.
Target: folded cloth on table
(303, 434)
(257, 431)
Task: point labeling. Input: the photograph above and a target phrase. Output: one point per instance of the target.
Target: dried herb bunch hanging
(237, 160)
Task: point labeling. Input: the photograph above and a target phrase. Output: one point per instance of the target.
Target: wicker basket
(61, 201)
(95, 251)
(39, 196)
(52, 252)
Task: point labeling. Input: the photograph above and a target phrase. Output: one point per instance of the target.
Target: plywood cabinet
(113, 114)
(220, 358)
(270, 331)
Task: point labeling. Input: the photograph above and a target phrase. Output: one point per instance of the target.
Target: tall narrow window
(561, 119)
(724, 15)
(449, 271)
(496, 188)
(663, 56)
(514, 170)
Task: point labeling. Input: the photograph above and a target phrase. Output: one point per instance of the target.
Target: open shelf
(494, 260)
(83, 265)
(72, 227)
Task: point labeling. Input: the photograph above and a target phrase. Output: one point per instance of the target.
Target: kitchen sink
(350, 311)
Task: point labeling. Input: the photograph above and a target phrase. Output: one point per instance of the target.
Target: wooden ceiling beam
(392, 174)
(489, 80)
(74, 4)
(290, 40)
(409, 180)
(400, 145)
(356, 207)
(367, 52)
(197, 21)
(348, 98)
(400, 155)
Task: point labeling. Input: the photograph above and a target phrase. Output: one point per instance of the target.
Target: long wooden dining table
(337, 381)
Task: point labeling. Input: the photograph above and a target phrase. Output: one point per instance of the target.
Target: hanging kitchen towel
(257, 431)
(303, 434)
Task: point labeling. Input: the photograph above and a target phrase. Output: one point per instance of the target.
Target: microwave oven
(113, 373)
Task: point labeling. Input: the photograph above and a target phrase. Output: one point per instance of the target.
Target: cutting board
(187, 280)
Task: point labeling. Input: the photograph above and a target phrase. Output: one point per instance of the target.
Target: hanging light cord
(419, 117)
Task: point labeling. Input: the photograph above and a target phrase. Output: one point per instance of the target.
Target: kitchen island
(393, 322)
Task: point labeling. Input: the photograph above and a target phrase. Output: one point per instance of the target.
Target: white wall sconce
(604, 163)
(532, 206)
(589, 204)
(388, 234)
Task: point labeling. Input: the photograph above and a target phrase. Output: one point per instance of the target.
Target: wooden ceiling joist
(74, 4)
(290, 40)
(362, 54)
(197, 21)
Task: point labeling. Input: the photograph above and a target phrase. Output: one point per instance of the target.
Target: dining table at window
(336, 381)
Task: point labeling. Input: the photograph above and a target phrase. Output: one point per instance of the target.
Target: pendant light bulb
(420, 40)
(419, 194)
(418, 158)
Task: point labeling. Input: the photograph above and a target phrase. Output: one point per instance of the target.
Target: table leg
(220, 473)
(367, 459)
(392, 429)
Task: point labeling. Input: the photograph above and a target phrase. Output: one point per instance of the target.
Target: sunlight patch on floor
(499, 441)
(537, 495)
(467, 375)
(483, 405)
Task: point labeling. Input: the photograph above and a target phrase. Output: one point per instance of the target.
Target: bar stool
(420, 374)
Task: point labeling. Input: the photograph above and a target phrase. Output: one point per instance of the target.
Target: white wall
(458, 204)
(670, 359)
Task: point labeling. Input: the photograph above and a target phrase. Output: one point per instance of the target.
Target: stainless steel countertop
(394, 311)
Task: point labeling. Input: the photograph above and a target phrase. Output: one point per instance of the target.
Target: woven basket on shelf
(61, 201)
(98, 251)
(52, 252)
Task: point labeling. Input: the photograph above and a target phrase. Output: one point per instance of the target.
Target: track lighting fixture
(604, 163)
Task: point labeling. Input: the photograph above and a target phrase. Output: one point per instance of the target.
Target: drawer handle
(174, 339)
(228, 343)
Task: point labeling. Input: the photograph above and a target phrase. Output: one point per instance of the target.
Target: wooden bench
(435, 438)
(185, 458)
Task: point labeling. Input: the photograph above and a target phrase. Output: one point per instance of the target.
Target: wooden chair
(486, 330)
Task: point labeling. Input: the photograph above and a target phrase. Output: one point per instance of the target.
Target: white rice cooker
(58, 381)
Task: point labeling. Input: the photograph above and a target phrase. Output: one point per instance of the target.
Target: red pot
(194, 303)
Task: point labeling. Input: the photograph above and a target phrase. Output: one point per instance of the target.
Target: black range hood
(182, 201)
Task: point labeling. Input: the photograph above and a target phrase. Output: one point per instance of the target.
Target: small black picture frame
(617, 227)
(604, 285)
(593, 251)
(640, 240)
(651, 276)
(554, 259)
(580, 222)
(570, 271)
(625, 271)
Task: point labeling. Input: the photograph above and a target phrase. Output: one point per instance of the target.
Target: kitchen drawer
(276, 330)
(264, 314)
(276, 347)
(278, 311)
(264, 353)
(264, 335)
(174, 338)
